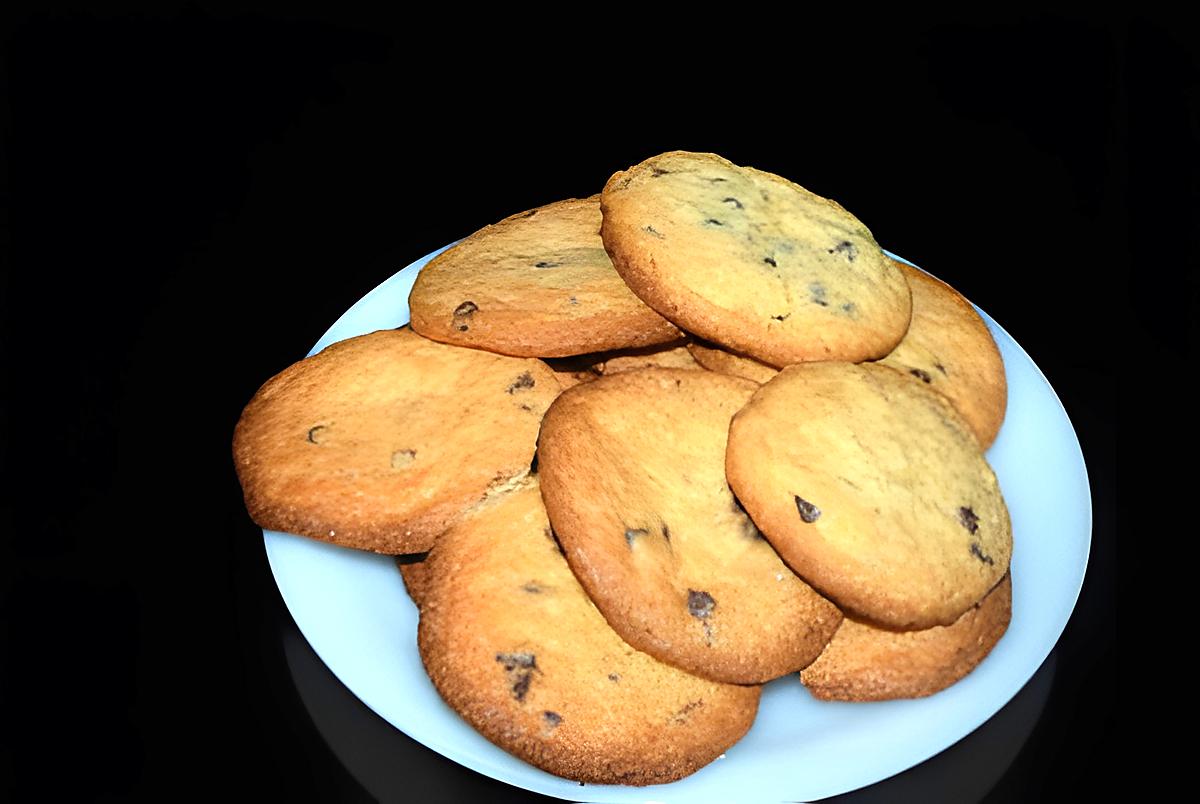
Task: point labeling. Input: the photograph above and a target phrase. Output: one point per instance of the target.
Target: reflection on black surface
(393, 767)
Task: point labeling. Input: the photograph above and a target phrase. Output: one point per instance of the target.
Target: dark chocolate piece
(700, 604)
(969, 519)
(521, 383)
(977, 551)
(808, 512)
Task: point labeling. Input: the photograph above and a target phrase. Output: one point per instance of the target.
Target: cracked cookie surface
(632, 468)
(536, 284)
(380, 442)
(514, 645)
(752, 262)
(874, 489)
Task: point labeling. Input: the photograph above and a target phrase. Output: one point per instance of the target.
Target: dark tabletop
(194, 196)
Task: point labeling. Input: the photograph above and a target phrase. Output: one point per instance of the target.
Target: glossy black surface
(194, 196)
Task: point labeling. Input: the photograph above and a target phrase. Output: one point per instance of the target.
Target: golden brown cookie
(874, 489)
(632, 468)
(723, 361)
(514, 645)
(380, 442)
(948, 346)
(752, 261)
(868, 663)
(536, 284)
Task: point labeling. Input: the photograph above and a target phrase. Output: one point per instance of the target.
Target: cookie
(723, 361)
(536, 284)
(632, 468)
(752, 262)
(866, 663)
(380, 442)
(949, 347)
(873, 489)
(514, 645)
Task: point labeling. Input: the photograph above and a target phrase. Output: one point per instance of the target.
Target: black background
(194, 196)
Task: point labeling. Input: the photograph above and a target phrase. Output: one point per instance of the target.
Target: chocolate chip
(512, 661)
(923, 376)
(527, 407)
(403, 457)
(977, 551)
(315, 434)
(633, 534)
(781, 317)
(546, 264)
(732, 202)
(849, 309)
(770, 261)
(530, 213)
(651, 230)
(817, 294)
(808, 512)
(941, 368)
(614, 677)
(552, 718)
(682, 714)
(521, 383)
(846, 249)
(519, 668)
(969, 519)
(655, 172)
(700, 604)
(463, 312)
(714, 222)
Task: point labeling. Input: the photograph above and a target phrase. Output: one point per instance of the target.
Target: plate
(352, 608)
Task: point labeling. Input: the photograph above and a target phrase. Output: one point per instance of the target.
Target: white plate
(352, 608)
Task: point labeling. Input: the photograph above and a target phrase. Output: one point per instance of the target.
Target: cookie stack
(653, 449)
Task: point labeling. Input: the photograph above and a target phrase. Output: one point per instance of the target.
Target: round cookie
(536, 284)
(514, 645)
(874, 489)
(866, 663)
(949, 347)
(752, 262)
(632, 468)
(723, 361)
(380, 442)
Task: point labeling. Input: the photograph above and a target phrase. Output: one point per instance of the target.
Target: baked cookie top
(536, 284)
(723, 361)
(752, 261)
(380, 442)
(632, 468)
(514, 645)
(873, 488)
(864, 662)
(948, 346)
